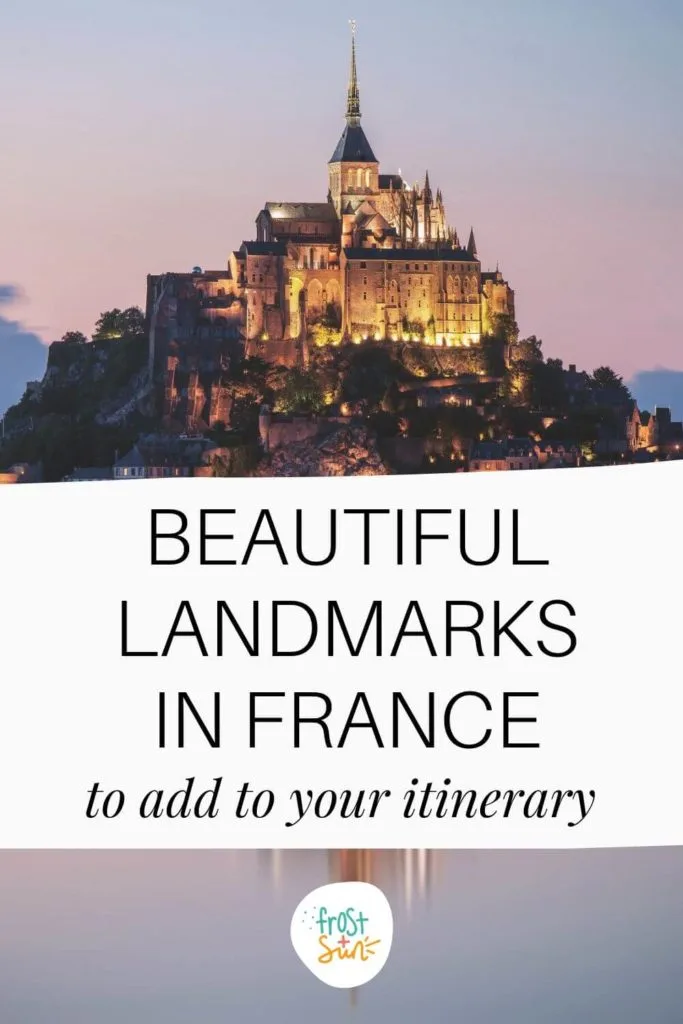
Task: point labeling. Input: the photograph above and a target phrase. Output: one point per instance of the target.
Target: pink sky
(147, 137)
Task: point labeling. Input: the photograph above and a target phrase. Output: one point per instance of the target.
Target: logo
(343, 933)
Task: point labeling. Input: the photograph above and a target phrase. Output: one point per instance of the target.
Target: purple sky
(145, 136)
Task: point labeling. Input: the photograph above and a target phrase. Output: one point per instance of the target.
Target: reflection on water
(498, 937)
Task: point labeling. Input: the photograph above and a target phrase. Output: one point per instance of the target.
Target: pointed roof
(427, 188)
(353, 145)
(472, 245)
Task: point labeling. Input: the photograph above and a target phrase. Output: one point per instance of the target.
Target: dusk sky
(145, 136)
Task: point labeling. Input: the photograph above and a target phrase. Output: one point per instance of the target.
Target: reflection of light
(422, 870)
(276, 868)
(408, 878)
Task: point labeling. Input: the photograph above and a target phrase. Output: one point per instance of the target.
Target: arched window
(359, 177)
(350, 179)
(367, 178)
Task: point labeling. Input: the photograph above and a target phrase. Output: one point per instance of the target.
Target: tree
(608, 386)
(120, 323)
(370, 374)
(527, 350)
(74, 338)
(504, 327)
(548, 391)
(326, 328)
(301, 393)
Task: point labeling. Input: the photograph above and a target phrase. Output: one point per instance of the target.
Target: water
(482, 938)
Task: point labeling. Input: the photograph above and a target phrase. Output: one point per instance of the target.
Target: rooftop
(416, 255)
(302, 211)
(387, 181)
(353, 146)
(264, 248)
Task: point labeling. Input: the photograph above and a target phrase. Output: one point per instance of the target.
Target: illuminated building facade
(376, 260)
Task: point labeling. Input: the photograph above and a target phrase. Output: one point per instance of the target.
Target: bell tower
(353, 168)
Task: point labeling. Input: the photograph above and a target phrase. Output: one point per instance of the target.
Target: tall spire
(472, 245)
(353, 99)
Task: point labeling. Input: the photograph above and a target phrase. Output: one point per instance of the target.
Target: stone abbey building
(376, 260)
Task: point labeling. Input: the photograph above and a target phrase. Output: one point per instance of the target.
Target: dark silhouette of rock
(349, 451)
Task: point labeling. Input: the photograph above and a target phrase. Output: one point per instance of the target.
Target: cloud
(659, 387)
(22, 354)
(9, 293)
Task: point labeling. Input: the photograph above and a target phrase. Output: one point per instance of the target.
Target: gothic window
(350, 179)
(367, 178)
(426, 267)
(359, 177)
(365, 295)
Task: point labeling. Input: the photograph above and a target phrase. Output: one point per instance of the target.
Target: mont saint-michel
(377, 260)
(357, 332)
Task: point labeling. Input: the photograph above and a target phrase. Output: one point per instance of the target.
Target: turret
(472, 245)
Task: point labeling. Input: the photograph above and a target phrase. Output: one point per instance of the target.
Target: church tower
(353, 168)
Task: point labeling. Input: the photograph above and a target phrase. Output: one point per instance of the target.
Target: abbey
(376, 260)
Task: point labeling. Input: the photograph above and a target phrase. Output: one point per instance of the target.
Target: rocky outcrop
(349, 451)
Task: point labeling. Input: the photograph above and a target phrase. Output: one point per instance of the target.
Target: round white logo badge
(343, 933)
